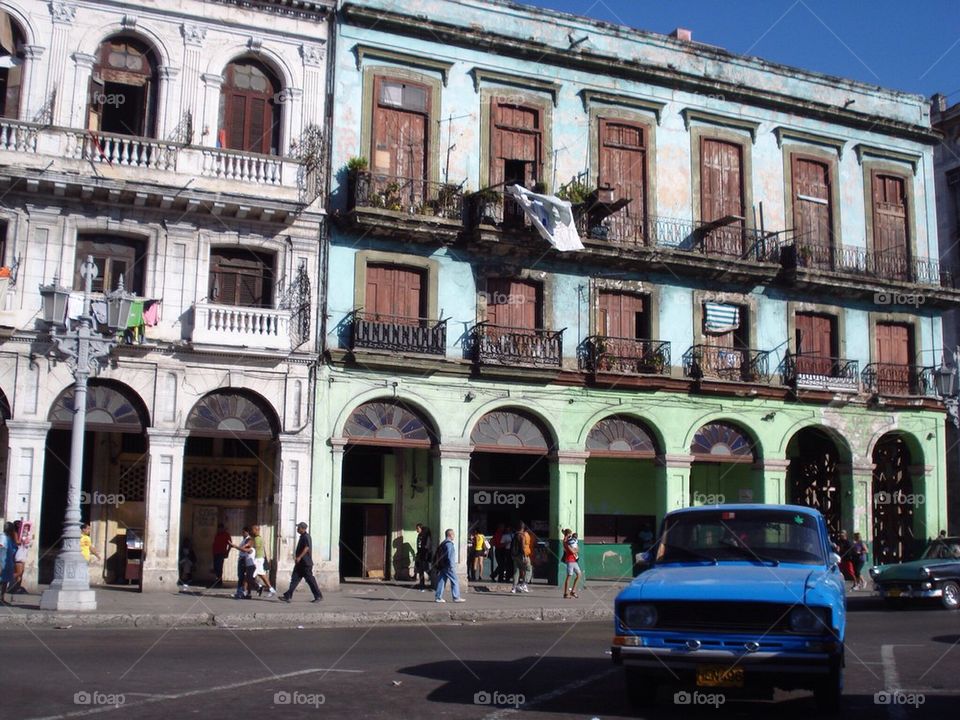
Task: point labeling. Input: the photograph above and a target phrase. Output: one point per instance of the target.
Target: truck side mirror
(834, 559)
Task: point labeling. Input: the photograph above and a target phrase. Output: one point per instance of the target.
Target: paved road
(436, 672)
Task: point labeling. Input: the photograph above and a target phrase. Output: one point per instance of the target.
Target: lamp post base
(60, 600)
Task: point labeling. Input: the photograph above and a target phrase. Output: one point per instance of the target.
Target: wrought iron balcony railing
(819, 372)
(414, 196)
(894, 379)
(886, 264)
(400, 334)
(500, 345)
(721, 363)
(626, 356)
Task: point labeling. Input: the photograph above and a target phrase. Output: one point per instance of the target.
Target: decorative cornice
(129, 22)
(691, 115)
(255, 44)
(63, 12)
(481, 75)
(681, 462)
(193, 34)
(455, 452)
(785, 133)
(572, 457)
(33, 52)
(212, 79)
(168, 72)
(84, 60)
(862, 149)
(306, 9)
(590, 97)
(313, 54)
(401, 58)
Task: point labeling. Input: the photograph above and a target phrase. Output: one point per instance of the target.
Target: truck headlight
(809, 620)
(639, 615)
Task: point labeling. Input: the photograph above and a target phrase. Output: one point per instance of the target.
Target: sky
(909, 45)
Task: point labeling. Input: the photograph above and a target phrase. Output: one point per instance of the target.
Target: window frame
(267, 278)
(132, 249)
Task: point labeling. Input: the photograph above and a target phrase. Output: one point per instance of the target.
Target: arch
(143, 32)
(251, 103)
(123, 95)
(111, 407)
(621, 436)
(506, 404)
(273, 60)
(388, 423)
(12, 42)
(893, 497)
(723, 441)
(415, 405)
(913, 443)
(510, 430)
(5, 413)
(844, 450)
(648, 423)
(233, 412)
(813, 478)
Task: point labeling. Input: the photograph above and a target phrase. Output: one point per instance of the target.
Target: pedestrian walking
(521, 551)
(220, 548)
(188, 560)
(505, 567)
(447, 568)
(22, 537)
(471, 538)
(481, 548)
(303, 566)
(844, 547)
(571, 558)
(245, 565)
(496, 556)
(260, 568)
(859, 553)
(424, 557)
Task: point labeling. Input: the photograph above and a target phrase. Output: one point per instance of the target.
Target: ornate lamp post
(82, 346)
(945, 383)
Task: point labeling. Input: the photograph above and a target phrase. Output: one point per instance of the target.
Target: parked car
(735, 596)
(935, 575)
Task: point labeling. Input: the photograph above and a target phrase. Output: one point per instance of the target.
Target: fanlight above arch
(231, 414)
(723, 442)
(385, 423)
(509, 431)
(618, 436)
(108, 409)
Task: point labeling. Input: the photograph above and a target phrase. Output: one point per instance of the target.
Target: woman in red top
(571, 557)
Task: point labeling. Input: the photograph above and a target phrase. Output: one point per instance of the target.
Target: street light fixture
(82, 345)
(945, 383)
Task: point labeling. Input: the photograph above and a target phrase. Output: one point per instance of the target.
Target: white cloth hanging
(551, 216)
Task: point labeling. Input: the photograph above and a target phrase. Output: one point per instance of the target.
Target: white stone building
(179, 142)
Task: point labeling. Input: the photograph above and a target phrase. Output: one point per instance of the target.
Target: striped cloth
(721, 318)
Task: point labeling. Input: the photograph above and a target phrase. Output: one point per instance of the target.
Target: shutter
(513, 303)
(11, 100)
(623, 315)
(96, 96)
(812, 209)
(409, 287)
(890, 237)
(623, 167)
(721, 194)
(374, 290)
(893, 343)
(258, 140)
(236, 120)
(815, 343)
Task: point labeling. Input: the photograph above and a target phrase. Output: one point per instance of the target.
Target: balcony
(818, 372)
(151, 171)
(398, 334)
(890, 379)
(517, 347)
(394, 206)
(230, 326)
(706, 362)
(626, 356)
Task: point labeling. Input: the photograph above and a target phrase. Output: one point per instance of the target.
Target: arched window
(122, 96)
(250, 108)
(11, 66)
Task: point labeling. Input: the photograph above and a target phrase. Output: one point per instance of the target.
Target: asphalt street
(526, 670)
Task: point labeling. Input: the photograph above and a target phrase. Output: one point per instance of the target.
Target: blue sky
(911, 45)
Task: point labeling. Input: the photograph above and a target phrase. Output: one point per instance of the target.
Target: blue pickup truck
(733, 599)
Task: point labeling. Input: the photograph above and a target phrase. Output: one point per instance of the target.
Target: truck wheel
(829, 692)
(641, 692)
(951, 595)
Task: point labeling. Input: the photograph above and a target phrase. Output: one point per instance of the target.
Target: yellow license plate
(719, 676)
(894, 593)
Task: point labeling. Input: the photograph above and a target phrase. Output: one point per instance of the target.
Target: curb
(322, 619)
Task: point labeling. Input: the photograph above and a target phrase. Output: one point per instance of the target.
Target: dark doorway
(812, 477)
(363, 540)
(56, 480)
(893, 501)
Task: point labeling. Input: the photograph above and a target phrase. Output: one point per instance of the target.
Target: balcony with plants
(625, 356)
(729, 364)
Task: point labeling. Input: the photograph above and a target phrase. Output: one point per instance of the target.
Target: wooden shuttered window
(623, 167)
(400, 132)
(242, 278)
(249, 109)
(721, 195)
(812, 209)
(514, 303)
(622, 315)
(894, 352)
(516, 153)
(816, 343)
(114, 257)
(891, 238)
(395, 294)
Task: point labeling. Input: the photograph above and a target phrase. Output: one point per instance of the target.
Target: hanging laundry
(720, 318)
(551, 216)
(134, 331)
(151, 312)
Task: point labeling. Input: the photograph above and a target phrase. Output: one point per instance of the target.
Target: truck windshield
(760, 536)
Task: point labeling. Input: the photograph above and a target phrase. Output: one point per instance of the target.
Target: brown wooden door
(721, 195)
(812, 211)
(623, 167)
(376, 522)
(395, 294)
(249, 113)
(400, 136)
(727, 353)
(815, 344)
(622, 315)
(890, 236)
(516, 152)
(513, 303)
(894, 345)
(241, 278)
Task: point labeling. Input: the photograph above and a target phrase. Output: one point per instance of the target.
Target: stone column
(83, 67)
(771, 481)
(452, 494)
(856, 499)
(166, 111)
(163, 503)
(673, 489)
(191, 85)
(567, 478)
(32, 99)
(209, 110)
(63, 15)
(292, 502)
(929, 501)
(325, 505)
(291, 120)
(27, 443)
(314, 83)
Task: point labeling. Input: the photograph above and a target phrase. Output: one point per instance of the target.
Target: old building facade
(755, 316)
(179, 145)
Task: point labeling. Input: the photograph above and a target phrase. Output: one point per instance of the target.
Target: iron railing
(501, 345)
(396, 333)
(414, 196)
(886, 264)
(819, 372)
(895, 379)
(626, 356)
(721, 363)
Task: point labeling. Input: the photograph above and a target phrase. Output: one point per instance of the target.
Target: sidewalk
(362, 603)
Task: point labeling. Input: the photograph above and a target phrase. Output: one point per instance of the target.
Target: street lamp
(945, 383)
(82, 346)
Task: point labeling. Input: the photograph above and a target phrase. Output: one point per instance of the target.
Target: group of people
(511, 558)
(13, 556)
(853, 556)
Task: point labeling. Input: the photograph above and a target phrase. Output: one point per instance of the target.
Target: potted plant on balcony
(484, 203)
(355, 167)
